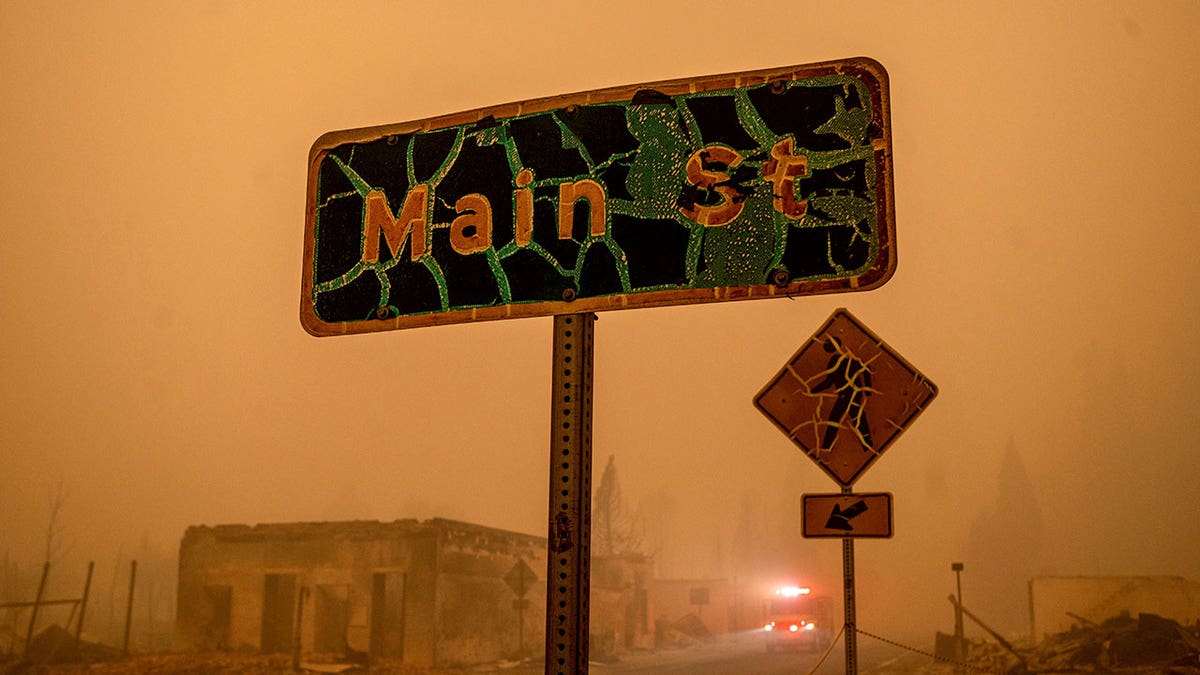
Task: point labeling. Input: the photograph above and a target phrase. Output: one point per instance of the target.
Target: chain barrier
(922, 652)
(832, 644)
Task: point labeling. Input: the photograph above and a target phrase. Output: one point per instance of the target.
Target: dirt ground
(207, 664)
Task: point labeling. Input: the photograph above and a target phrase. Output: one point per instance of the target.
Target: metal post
(36, 603)
(959, 636)
(1032, 618)
(129, 607)
(851, 631)
(87, 586)
(570, 521)
(520, 626)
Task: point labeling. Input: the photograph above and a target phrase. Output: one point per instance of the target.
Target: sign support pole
(848, 603)
(568, 558)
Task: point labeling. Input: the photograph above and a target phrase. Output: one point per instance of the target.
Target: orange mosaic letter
(523, 228)
(590, 190)
(708, 178)
(377, 216)
(781, 171)
(471, 232)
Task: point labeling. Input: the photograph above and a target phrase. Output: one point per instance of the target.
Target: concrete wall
(478, 614)
(621, 604)
(1100, 598)
(438, 585)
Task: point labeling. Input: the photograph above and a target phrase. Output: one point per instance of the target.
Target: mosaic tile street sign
(752, 185)
(844, 397)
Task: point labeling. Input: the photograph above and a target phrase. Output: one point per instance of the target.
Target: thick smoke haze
(154, 368)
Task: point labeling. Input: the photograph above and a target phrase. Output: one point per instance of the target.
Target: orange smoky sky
(152, 198)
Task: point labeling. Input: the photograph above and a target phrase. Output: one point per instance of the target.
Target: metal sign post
(570, 528)
(758, 184)
(848, 600)
(519, 579)
(843, 398)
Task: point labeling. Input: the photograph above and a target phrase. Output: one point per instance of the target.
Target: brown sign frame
(818, 511)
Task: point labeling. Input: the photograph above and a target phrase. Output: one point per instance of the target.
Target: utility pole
(129, 607)
(36, 604)
(960, 651)
(87, 587)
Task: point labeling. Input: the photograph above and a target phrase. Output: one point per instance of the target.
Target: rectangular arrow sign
(770, 183)
(842, 515)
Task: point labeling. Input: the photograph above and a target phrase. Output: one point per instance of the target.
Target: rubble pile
(991, 657)
(56, 645)
(684, 632)
(1123, 644)
(1149, 643)
(210, 663)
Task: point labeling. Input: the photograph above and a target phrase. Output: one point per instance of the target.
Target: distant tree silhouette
(1004, 549)
(56, 548)
(613, 531)
(656, 516)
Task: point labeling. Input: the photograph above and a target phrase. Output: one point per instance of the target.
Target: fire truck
(797, 619)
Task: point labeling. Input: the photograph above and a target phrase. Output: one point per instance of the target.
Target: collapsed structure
(1056, 603)
(427, 593)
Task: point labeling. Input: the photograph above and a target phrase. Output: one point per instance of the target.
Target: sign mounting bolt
(780, 278)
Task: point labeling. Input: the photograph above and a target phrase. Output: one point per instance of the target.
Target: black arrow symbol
(840, 520)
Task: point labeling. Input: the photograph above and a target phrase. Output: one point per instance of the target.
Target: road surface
(746, 654)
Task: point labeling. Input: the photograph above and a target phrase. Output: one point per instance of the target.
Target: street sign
(865, 515)
(844, 397)
(520, 578)
(750, 185)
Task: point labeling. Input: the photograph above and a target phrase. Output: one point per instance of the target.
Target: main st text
(707, 172)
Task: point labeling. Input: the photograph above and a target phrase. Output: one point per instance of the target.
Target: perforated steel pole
(848, 598)
(570, 527)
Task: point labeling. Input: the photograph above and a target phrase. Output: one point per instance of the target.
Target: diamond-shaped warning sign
(844, 397)
(520, 578)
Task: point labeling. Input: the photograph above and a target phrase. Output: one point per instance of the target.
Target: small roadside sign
(768, 183)
(844, 397)
(520, 578)
(846, 514)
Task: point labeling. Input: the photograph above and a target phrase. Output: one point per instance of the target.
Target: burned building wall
(620, 603)
(240, 586)
(483, 576)
(425, 593)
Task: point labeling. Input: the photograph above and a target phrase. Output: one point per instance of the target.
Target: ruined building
(429, 593)
(1056, 603)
